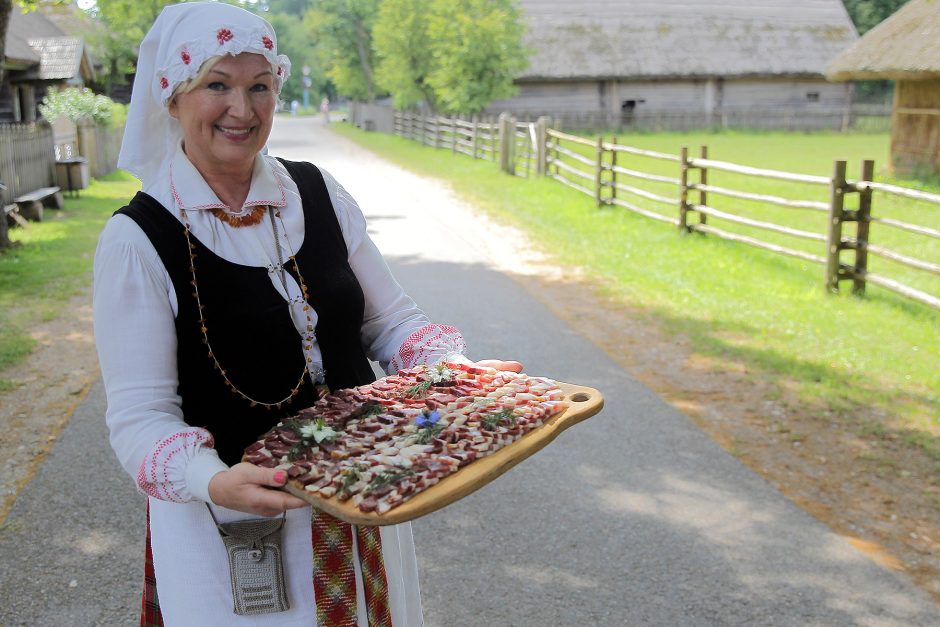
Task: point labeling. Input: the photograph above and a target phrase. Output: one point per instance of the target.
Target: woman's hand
(246, 488)
(498, 364)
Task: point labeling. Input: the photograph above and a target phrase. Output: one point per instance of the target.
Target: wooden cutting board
(584, 402)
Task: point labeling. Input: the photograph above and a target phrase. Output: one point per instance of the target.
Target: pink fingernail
(280, 476)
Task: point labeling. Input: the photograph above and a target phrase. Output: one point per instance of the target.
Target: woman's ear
(173, 108)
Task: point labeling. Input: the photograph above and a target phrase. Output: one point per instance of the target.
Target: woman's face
(227, 118)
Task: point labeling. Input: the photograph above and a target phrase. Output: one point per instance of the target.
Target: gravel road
(633, 517)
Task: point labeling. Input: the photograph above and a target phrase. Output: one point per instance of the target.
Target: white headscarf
(182, 38)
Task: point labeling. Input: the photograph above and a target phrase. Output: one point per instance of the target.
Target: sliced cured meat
(382, 443)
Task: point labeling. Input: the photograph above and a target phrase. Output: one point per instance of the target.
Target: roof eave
(668, 77)
(882, 75)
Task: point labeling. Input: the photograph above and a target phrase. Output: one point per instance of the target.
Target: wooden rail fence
(597, 169)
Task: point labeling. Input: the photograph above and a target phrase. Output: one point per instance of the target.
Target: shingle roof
(32, 38)
(683, 38)
(17, 50)
(906, 45)
(60, 56)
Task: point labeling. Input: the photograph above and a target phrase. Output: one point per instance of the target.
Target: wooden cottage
(38, 56)
(904, 48)
(683, 63)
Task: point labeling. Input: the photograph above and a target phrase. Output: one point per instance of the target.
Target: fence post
(863, 224)
(684, 189)
(86, 145)
(474, 138)
(453, 135)
(703, 180)
(613, 171)
(598, 171)
(836, 216)
(541, 140)
(507, 142)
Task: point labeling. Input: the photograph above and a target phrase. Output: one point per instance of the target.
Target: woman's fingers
(246, 488)
(499, 364)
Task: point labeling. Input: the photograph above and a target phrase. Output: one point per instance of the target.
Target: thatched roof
(599, 39)
(904, 46)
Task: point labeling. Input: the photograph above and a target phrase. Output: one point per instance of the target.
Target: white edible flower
(317, 432)
(441, 373)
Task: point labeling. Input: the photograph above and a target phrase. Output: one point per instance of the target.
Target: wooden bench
(31, 205)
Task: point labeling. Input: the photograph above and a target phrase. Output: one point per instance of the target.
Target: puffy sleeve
(395, 332)
(135, 333)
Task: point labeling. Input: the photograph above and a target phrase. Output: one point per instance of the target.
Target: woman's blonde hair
(187, 86)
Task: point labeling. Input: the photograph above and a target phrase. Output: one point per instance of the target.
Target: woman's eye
(216, 86)
(259, 87)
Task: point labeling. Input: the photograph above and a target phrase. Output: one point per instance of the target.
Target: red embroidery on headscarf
(185, 57)
(280, 70)
(267, 42)
(164, 83)
(223, 35)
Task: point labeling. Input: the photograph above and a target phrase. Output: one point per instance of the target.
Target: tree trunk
(6, 6)
(363, 46)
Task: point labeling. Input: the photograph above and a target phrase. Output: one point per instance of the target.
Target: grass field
(734, 302)
(805, 154)
(53, 262)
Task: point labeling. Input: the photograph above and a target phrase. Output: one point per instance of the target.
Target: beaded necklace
(244, 218)
(317, 376)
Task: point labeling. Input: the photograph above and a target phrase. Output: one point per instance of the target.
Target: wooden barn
(683, 63)
(904, 48)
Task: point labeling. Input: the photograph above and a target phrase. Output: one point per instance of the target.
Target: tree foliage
(344, 29)
(866, 14)
(477, 49)
(402, 48)
(453, 55)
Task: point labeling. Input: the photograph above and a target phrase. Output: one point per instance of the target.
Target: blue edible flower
(428, 419)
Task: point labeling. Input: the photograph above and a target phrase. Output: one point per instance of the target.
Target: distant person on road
(230, 293)
(325, 110)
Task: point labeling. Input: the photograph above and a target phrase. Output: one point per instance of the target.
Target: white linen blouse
(134, 311)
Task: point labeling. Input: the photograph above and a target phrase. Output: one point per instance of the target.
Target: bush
(78, 104)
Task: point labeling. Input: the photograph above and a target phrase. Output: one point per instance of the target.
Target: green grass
(764, 312)
(52, 263)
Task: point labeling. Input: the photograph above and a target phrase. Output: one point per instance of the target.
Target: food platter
(583, 402)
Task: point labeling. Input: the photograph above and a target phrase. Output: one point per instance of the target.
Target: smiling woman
(231, 293)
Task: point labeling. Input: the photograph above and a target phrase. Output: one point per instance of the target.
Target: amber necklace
(204, 328)
(247, 217)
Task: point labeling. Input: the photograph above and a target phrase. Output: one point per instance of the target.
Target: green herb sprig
(492, 420)
(416, 391)
(387, 478)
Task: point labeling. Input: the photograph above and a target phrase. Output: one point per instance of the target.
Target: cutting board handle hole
(580, 397)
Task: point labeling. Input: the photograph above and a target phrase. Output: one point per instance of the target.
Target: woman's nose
(239, 104)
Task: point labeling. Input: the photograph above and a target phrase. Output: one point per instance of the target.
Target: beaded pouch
(254, 557)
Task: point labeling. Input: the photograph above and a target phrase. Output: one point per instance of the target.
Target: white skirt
(192, 570)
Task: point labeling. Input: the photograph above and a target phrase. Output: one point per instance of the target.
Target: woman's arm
(134, 307)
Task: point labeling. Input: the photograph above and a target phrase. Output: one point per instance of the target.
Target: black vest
(249, 326)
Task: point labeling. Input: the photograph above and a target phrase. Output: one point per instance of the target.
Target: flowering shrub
(77, 104)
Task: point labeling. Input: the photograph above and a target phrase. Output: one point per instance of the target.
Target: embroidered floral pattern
(427, 345)
(185, 62)
(161, 473)
(223, 35)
